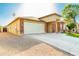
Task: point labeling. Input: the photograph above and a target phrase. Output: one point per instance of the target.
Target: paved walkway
(14, 45)
(61, 41)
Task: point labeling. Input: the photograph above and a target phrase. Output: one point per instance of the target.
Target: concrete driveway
(11, 44)
(25, 45)
(61, 41)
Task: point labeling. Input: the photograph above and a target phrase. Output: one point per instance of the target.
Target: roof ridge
(49, 15)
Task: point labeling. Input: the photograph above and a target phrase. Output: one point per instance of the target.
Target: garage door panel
(30, 28)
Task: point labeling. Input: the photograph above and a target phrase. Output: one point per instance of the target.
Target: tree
(70, 12)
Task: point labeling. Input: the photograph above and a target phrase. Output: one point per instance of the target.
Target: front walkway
(14, 45)
(61, 41)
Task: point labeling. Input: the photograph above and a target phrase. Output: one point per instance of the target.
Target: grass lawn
(73, 34)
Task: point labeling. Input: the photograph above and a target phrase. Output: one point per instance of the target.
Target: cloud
(35, 9)
(32, 9)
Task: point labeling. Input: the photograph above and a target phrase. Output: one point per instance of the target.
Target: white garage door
(30, 28)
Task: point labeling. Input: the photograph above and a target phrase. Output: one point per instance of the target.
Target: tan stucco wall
(50, 27)
(77, 26)
(53, 27)
(14, 27)
(1, 29)
(56, 26)
(50, 18)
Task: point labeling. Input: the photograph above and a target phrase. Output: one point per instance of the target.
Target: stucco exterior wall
(50, 27)
(77, 28)
(50, 18)
(1, 29)
(14, 27)
(52, 22)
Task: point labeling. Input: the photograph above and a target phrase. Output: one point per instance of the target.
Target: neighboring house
(1, 28)
(28, 25)
(54, 23)
(77, 27)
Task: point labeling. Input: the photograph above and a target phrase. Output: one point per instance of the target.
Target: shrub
(71, 26)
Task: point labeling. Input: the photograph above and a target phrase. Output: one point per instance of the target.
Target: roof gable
(50, 15)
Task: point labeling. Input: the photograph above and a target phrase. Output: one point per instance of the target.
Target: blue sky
(59, 7)
(7, 10)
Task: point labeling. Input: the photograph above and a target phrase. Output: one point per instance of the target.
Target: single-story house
(32, 25)
(26, 25)
(54, 23)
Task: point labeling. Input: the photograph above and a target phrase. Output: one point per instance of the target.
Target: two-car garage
(34, 27)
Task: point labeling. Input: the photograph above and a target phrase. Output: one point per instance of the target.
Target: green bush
(71, 26)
